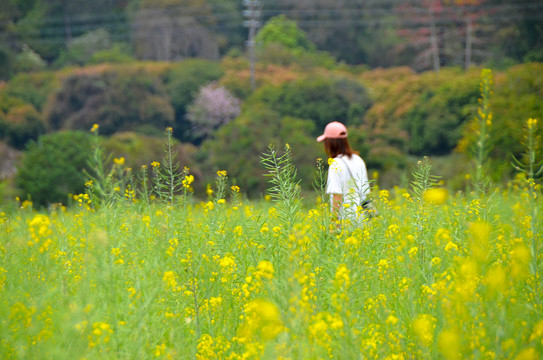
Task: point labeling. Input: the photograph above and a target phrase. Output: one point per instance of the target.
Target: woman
(348, 183)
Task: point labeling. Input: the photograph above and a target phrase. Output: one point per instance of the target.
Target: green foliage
(237, 76)
(7, 102)
(285, 185)
(33, 88)
(20, 103)
(117, 101)
(20, 125)
(477, 141)
(159, 282)
(237, 147)
(437, 118)
(353, 31)
(319, 99)
(51, 168)
(170, 179)
(137, 149)
(281, 30)
(517, 97)
(281, 42)
(422, 179)
(182, 83)
(29, 60)
(117, 53)
(278, 54)
(421, 184)
(101, 176)
(6, 62)
(532, 165)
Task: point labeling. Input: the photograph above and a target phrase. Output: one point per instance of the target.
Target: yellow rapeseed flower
(451, 246)
(391, 320)
(169, 279)
(187, 181)
(496, 279)
(435, 196)
(352, 240)
(342, 277)
(521, 258)
(228, 263)
(265, 269)
(531, 123)
(159, 350)
(528, 354)
(449, 345)
(423, 326)
(262, 320)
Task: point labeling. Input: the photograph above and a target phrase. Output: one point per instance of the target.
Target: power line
(230, 15)
(52, 29)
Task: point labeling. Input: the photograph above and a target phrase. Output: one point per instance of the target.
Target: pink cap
(334, 130)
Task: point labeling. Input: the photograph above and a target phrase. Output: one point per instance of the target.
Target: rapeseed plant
(436, 275)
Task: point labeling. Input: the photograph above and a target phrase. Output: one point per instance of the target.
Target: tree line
(395, 116)
(423, 34)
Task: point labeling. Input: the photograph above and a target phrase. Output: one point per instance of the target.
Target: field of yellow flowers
(432, 276)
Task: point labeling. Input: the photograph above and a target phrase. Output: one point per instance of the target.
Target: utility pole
(433, 39)
(252, 13)
(469, 40)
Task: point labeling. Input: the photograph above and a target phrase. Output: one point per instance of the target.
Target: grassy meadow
(432, 275)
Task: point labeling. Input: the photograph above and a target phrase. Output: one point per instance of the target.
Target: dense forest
(423, 34)
(232, 77)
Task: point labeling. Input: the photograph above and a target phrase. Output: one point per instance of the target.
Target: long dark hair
(335, 147)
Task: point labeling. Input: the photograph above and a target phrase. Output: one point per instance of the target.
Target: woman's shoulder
(355, 157)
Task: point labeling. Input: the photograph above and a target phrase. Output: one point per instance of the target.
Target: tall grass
(156, 274)
(225, 280)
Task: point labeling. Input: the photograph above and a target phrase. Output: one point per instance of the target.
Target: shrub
(141, 149)
(517, 97)
(20, 125)
(436, 120)
(29, 60)
(237, 146)
(51, 168)
(118, 53)
(283, 31)
(33, 88)
(118, 101)
(318, 99)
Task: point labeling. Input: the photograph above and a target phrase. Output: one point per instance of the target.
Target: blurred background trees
(424, 34)
(117, 101)
(52, 168)
(402, 75)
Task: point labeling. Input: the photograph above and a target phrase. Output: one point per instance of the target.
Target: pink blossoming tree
(213, 107)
